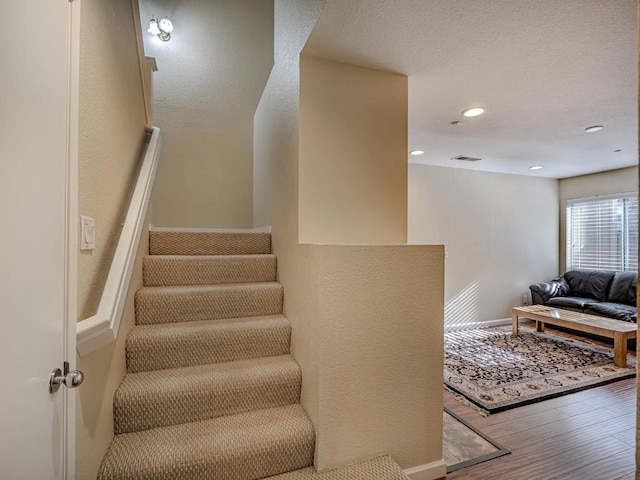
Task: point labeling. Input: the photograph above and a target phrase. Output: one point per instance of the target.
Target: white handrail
(101, 329)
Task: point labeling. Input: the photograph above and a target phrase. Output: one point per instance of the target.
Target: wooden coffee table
(619, 330)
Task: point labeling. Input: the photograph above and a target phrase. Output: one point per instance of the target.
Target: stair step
(180, 242)
(207, 302)
(160, 398)
(158, 270)
(379, 468)
(247, 446)
(174, 345)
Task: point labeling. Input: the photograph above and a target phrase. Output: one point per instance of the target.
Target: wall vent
(466, 159)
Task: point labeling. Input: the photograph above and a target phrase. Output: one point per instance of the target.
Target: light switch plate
(87, 233)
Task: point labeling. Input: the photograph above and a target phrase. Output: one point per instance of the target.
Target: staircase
(211, 391)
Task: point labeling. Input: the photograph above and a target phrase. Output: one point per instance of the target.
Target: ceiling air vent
(466, 159)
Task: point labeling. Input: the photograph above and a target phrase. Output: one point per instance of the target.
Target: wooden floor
(589, 435)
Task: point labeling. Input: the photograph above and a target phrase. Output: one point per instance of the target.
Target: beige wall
(112, 132)
(353, 154)
(366, 320)
(623, 180)
(500, 233)
(209, 80)
(379, 315)
(103, 370)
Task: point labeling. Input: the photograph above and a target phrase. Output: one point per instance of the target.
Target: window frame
(628, 250)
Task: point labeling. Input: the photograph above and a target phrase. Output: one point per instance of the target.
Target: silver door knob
(71, 379)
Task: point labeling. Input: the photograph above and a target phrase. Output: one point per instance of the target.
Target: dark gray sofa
(597, 292)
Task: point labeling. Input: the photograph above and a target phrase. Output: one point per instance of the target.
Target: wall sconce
(162, 28)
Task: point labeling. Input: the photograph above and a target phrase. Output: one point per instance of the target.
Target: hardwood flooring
(589, 435)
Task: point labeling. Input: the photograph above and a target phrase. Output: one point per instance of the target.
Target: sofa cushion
(590, 283)
(623, 288)
(578, 303)
(613, 310)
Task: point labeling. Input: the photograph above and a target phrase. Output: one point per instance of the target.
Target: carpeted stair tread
(379, 468)
(168, 397)
(161, 270)
(208, 243)
(173, 345)
(247, 446)
(207, 302)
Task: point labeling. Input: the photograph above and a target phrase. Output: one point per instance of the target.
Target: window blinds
(602, 233)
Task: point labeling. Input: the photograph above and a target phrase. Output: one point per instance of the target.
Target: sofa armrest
(542, 292)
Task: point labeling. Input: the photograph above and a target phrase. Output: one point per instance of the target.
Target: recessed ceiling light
(593, 128)
(415, 153)
(536, 167)
(473, 112)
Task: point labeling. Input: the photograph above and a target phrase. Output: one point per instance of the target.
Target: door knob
(69, 379)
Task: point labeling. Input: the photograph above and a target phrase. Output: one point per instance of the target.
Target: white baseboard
(429, 471)
(467, 326)
(266, 229)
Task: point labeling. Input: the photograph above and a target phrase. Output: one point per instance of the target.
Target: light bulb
(153, 27)
(166, 25)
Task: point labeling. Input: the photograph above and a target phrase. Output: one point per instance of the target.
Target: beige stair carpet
(172, 345)
(247, 446)
(207, 302)
(168, 270)
(210, 392)
(208, 243)
(169, 397)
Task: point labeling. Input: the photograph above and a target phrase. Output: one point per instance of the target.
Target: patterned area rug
(496, 371)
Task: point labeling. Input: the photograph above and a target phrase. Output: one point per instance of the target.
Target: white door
(36, 280)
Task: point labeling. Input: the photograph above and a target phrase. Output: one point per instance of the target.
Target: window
(602, 233)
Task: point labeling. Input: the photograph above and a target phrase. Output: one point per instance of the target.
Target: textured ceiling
(543, 69)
